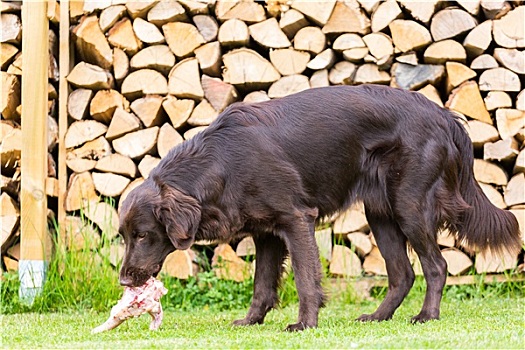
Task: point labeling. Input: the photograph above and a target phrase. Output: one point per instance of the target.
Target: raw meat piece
(137, 301)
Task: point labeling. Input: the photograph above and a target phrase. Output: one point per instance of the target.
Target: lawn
(491, 322)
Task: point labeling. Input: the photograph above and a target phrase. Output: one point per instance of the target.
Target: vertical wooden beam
(63, 91)
(33, 201)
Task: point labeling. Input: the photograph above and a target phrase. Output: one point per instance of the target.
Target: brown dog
(274, 168)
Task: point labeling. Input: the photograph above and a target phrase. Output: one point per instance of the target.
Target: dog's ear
(180, 214)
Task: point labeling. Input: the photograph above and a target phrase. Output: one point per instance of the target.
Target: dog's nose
(126, 281)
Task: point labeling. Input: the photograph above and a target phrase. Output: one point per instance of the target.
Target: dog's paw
(423, 317)
(246, 322)
(372, 318)
(297, 327)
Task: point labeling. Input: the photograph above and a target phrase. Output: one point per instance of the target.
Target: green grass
(493, 322)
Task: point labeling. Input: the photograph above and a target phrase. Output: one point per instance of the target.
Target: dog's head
(154, 221)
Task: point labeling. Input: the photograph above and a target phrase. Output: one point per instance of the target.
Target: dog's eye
(142, 234)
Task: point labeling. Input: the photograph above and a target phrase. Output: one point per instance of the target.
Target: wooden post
(63, 89)
(33, 262)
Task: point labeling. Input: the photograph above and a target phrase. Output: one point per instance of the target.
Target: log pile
(10, 125)
(149, 75)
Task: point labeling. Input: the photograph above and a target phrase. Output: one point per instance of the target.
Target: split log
(457, 73)
(323, 239)
(11, 6)
(147, 32)
(247, 11)
(79, 235)
(466, 99)
(134, 184)
(410, 77)
(165, 12)
(117, 164)
(495, 9)
(156, 57)
(207, 26)
(361, 243)
(500, 79)
(408, 58)
(450, 23)
(268, 34)
(121, 35)
(136, 144)
(78, 102)
(149, 110)
(369, 73)
(194, 8)
(472, 7)
(289, 61)
(245, 68)
(487, 262)
(256, 96)
(321, 77)
(109, 184)
(351, 220)
(140, 9)
(520, 101)
(502, 151)
(7, 53)
(493, 195)
(233, 33)
(421, 11)
(104, 104)
(85, 75)
(16, 67)
(345, 262)
(10, 220)
(111, 15)
(80, 192)
(11, 28)
(288, 85)
(342, 73)
(446, 239)
(144, 82)
(203, 114)
(509, 122)
(317, 12)
(218, 93)
(347, 17)
(310, 39)
(430, 92)
(83, 131)
(105, 217)
(483, 62)
(323, 60)
(512, 59)
(481, 133)
(489, 173)
(457, 261)
(385, 13)
(374, 263)
(182, 38)
(505, 31)
(147, 164)
(179, 264)
(479, 39)
(122, 123)
(11, 97)
(227, 265)
(380, 46)
(291, 21)
(91, 43)
(168, 138)
(210, 58)
(515, 190)
(10, 151)
(409, 35)
(85, 158)
(178, 110)
(120, 64)
(184, 80)
(246, 247)
(193, 131)
(445, 51)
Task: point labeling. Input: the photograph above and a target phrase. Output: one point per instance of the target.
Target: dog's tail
(481, 225)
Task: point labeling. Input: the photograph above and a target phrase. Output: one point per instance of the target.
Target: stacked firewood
(10, 124)
(151, 74)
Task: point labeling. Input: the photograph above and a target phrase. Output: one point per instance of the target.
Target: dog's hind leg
(270, 255)
(392, 245)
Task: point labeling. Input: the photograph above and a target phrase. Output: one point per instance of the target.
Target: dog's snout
(126, 281)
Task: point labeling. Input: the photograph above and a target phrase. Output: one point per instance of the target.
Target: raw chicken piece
(135, 302)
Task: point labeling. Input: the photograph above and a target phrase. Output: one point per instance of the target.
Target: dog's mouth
(135, 277)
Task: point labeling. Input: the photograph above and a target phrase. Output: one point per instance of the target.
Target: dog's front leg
(299, 235)
(270, 254)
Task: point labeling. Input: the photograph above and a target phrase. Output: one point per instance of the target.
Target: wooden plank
(33, 199)
(63, 89)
